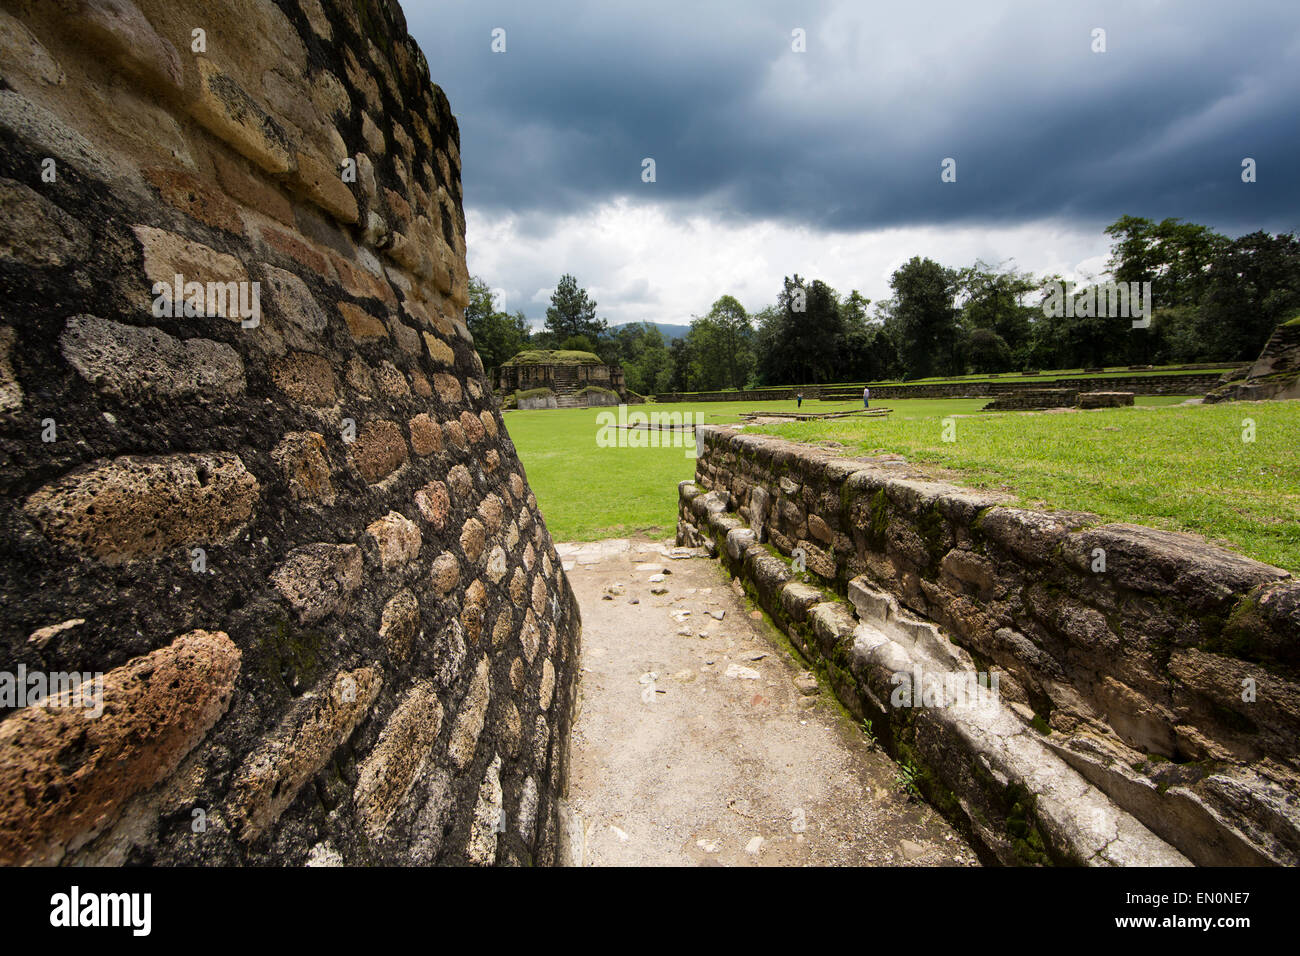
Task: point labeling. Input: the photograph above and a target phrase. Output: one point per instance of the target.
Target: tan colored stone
(230, 114)
(445, 573)
(489, 423)
(472, 539)
(459, 481)
(318, 579)
(447, 387)
(301, 457)
(511, 729)
(392, 382)
(322, 183)
(546, 689)
(36, 232)
(398, 539)
(399, 624)
(360, 377)
(269, 779)
(426, 436)
(11, 393)
(434, 504)
(439, 350)
(167, 255)
(185, 191)
(454, 434)
(21, 53)
(387, 774)
(65, 775)
(473, 426)
(140, 505)
(501, 630)
(469, 721)
(371, 134)
(361, 323)
(305, 378)
(379, 450)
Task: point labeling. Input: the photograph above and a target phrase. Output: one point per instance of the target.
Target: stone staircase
(565, 385)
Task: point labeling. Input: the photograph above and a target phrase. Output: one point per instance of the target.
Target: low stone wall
(1155, 384)
(1034, 398)
(1105, 399)
(538, 401)
(1150, 682)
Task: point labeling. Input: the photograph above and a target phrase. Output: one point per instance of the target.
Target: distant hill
(670, 331)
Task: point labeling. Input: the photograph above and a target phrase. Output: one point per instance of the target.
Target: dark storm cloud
(850, 135)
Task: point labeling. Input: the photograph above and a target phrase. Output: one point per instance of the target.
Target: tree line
(1213, 299)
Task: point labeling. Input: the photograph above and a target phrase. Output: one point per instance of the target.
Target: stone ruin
(1033, 399)
(1148, 706)
(1274, 375)
(255, 482)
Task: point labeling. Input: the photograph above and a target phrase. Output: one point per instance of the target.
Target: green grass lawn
(588, 492)
(1182, 468)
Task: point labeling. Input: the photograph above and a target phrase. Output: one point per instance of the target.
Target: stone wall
(1141, 671)
(295, 540)
(1154, 384)
(1033, 398)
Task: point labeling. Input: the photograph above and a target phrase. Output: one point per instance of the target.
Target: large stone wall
(1151, 667)
(298, 546)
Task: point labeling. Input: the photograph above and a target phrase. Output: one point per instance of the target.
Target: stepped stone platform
(1274, 375)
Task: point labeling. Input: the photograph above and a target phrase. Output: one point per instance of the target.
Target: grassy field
(1183, 468)
(588, 492)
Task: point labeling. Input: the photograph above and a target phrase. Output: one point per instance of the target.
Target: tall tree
(722, 343)
(572, 312)
(930, 336)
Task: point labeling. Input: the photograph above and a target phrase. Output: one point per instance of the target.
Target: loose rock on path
(701, 740)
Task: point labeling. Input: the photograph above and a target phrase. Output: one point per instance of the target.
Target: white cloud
(665, 262)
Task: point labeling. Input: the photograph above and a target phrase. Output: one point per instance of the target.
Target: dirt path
(695, 744)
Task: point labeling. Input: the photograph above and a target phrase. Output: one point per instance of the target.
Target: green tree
(497, 336)
(994, 299)
(572, 312)
(722, 345)
(1254, 283)
(930, 337)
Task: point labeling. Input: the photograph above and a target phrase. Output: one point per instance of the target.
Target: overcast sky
(827, 162)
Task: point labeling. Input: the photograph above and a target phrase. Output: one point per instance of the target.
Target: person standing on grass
(798, 400)
(866, 396)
